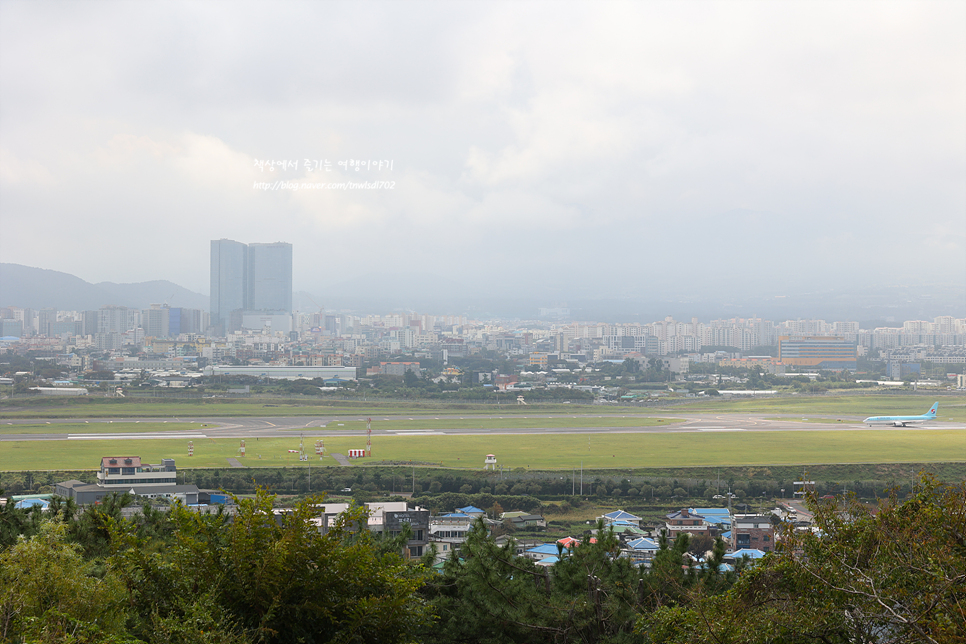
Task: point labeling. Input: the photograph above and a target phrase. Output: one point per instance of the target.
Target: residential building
(253, 279)
(399, 368)
(753, 531)
(229, 273)
(640, 551)
(618, 516)
(269, 286)
(685, 521)
(389, 518)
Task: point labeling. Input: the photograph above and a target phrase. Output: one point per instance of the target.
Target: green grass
(502, 423)
(612, 450)
(100, 427)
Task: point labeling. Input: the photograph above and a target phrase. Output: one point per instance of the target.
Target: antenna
(368, 437)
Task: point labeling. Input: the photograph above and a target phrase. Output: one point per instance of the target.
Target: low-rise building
(685, 521)
(640, 551)
(120, 474)
(621, 516)
(754, 531)
(389, 518)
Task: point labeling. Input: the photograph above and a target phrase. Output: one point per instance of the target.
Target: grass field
(534, 451)
(101, 427)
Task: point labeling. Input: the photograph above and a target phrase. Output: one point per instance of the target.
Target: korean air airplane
(902, 421)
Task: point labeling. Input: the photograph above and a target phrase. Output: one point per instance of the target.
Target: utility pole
(581, 478)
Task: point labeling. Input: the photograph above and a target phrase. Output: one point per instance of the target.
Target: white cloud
(516, 131)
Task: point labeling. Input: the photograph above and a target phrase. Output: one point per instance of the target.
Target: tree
(488, 594)
(410, 379)
(48, 592)
(277, 579)
(892, 574)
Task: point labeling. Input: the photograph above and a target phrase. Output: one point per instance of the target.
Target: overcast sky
(578, 147)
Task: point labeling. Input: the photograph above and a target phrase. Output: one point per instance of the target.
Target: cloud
(521, 135)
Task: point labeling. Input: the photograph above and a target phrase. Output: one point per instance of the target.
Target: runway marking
(418, 432)
(101, 437)
(719, 429)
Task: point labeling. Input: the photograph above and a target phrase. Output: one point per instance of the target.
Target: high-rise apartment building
(270, 277)
(229, 271)
(249, 278)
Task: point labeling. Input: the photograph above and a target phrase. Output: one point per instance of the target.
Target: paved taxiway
(328, 426)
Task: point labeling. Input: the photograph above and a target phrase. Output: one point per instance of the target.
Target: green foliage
(275, 578)
(897, 574)
(48, 592)
(488, 594)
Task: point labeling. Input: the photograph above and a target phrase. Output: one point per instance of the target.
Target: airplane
(901, 421)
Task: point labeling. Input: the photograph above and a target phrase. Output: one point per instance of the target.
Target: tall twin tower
(249, 278)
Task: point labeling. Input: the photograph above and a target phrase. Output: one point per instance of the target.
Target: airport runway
(328, 426)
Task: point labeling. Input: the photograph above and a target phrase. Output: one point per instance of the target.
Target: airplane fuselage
(903, 421)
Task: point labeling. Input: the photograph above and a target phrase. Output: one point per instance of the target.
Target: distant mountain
(38, 288)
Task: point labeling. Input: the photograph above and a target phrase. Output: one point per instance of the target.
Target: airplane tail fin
(933, 410)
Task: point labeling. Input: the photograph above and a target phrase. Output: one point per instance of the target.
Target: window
(765, 538)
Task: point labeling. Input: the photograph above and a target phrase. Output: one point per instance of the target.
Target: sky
(549, 150)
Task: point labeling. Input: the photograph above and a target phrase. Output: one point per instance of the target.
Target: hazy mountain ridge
(38, 288)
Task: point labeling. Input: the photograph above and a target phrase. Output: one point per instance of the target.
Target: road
(328, 426)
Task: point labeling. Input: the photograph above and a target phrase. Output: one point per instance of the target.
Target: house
(525, 521)
(751, 553)
(685, 521)
(718, 518)
(472, 511)
(569, 542)
(452, 528)
(626, 528)
(543, 551)
(620, 515)
(389, 518)
(640, 551)
(754, 531)
(519, 545)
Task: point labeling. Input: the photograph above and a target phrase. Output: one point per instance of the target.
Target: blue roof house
(543, 552)
(640, 551)
(472, 511)
(620, 515)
